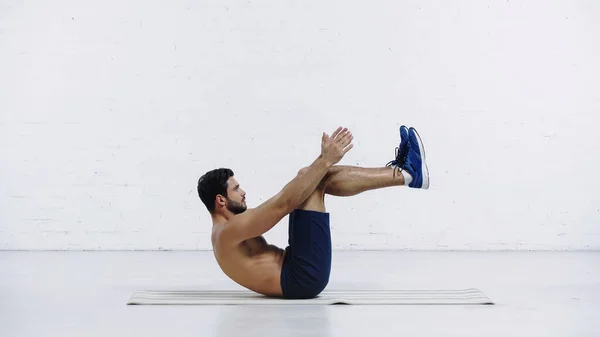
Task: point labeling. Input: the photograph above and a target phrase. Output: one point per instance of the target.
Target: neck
(221, 218)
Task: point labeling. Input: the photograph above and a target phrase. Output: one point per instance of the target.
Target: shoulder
(224, 235)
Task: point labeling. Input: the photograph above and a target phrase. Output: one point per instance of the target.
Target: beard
(235, 207)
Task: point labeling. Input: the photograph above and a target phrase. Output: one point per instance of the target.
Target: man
(301, 270)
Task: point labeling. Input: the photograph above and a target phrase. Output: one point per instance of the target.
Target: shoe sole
(424, 169)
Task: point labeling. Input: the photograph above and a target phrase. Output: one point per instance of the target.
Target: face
(236, 200)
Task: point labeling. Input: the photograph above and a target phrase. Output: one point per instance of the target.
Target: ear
(220, 200)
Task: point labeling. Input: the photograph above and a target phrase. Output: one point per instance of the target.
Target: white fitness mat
(327, 297)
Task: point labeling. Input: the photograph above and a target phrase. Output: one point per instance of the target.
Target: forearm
(301, 187)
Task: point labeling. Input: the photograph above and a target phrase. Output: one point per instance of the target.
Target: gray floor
(84, 294)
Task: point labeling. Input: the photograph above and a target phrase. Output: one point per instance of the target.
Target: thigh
(307, 264)
(309, 229)
(310, 237)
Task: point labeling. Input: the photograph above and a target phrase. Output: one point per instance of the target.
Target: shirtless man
(302, 269)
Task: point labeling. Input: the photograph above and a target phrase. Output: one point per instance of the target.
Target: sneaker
(415, 161)
(401, 150)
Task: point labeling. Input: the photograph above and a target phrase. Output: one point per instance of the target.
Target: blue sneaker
(415, 161)
(401, 150)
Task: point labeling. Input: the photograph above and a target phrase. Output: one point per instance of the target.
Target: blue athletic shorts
(307, 263)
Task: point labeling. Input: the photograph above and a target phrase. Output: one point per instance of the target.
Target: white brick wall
(111, 110)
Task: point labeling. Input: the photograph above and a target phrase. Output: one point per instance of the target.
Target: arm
(255, 222)
(301, 187)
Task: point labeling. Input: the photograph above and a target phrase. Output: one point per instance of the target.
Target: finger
(336, 132)
(346, 137)
(344, 132)
(349, 141)
(348, 148)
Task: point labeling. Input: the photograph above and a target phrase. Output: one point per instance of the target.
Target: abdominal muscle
(253, 264)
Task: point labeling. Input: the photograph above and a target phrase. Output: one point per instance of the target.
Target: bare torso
(253, 264)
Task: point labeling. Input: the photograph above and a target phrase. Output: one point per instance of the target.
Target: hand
(335, 147)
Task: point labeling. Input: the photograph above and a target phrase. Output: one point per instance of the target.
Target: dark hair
(212, 183)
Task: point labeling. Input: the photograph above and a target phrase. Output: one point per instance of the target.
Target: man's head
(220, 192)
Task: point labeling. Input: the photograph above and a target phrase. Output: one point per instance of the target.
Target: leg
(352, 180)
(307, 263)
(410, 156)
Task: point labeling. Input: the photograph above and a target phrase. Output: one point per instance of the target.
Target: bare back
(253, 263)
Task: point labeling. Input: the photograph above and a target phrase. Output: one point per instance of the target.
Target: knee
(323, 184)
(330, 171)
